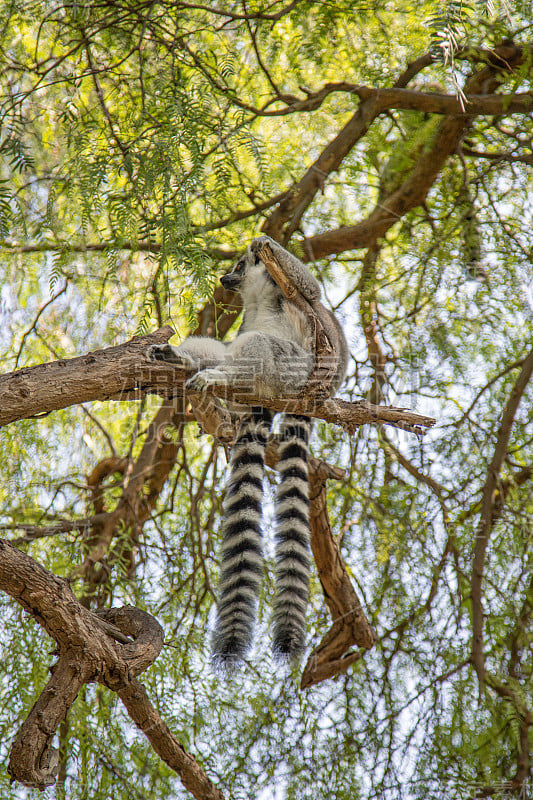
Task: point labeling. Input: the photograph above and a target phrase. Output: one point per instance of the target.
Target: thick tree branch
(165, 744)
(87, 654)
(479, 99)
(302, 193)
(404, 99)
(434, 103)
(107, 374)
(416, 186)
(502, 58)
(349, 416)
(123, 373)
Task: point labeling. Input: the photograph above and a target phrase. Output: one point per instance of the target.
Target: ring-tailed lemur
(271, 356)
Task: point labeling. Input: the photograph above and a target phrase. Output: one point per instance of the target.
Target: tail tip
(228, 653)
(288, 645)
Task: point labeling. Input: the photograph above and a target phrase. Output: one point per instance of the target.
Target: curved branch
(490, 505)
(302, 193)
(350, 625)
(32, 759)
(414, 190)
(87, 653)
(405, 99)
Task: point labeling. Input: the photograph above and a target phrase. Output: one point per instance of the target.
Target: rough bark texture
(165, 744)
(111, 647)
(350, 625)
(123, 372)
(416, 186)
(113, 373)
(103, 650)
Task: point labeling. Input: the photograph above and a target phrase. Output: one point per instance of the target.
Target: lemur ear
(253, 258)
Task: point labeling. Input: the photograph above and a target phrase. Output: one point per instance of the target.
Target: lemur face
(248, 269)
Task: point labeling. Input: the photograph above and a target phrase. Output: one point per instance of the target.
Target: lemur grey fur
(272, 356)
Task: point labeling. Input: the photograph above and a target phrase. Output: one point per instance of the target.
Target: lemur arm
(296, 272)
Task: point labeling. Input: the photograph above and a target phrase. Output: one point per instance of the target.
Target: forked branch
(111, 648)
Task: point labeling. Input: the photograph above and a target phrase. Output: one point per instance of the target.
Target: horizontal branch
(480, 89)
(100, 375)
(409, 99)
(132, 245)
(302, 193)
(435, 103)
(502, 58)
(124, 373)
(349, 416)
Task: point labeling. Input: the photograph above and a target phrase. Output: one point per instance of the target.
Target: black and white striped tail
(242, 552)
(292, 537)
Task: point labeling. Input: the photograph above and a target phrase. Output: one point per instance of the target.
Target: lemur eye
(239, 266)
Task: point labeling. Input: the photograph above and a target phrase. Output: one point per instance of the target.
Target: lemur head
(248, 272)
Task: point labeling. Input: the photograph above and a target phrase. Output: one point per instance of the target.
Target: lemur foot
(168, 353)
(205, 379)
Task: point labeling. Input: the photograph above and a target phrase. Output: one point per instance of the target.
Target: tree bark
(124, 373)
(110, 374)
(111, 647)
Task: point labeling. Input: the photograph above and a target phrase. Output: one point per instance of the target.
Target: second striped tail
(292, 537)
